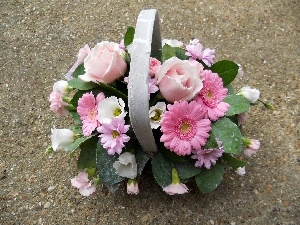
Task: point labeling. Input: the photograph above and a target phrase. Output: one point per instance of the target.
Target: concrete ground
(39, 40)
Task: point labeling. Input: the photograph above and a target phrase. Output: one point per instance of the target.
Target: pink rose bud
(154, 66)
(132, 187)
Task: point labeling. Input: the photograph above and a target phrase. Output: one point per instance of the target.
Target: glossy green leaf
(233, 162)
(162, 170)
(76, 117)
(238, 104)
(187, 169)
(81, 85)
(129, 36)
(170, 155)
(230, 89)
(226, 69)
(104, 164)
(78, 71)
(211, 142)
(72, 147)
(87, 157)
(229, 133)
(209, 180)
(169, 52)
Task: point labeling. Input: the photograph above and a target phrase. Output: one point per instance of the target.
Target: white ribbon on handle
(147, 39)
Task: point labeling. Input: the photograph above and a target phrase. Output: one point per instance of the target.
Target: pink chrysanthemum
(206, 157)
(113, 135)
(57, 104)
(194, 51)
(211, 96)
(152, 86)
(87, 110)
(184, 127)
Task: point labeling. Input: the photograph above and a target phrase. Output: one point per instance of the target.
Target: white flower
(61, 138)
(110, 108)
(172, 42)
(126, 165)
(251, 94)
(241, 171)
(155, 113)
(61, 86)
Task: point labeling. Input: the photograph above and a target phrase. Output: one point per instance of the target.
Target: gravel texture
(39, 41)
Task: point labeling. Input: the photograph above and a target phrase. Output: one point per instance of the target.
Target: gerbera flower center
(208, 97)
(117, 112)
(115, 134)
(92, 114)
(186, 128)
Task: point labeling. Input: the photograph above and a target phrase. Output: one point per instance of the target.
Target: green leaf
(81, 85)
(162, 170)
(129, 36)
(76, 117)
(230, 89)
(180, 53)
(170, 155)
(111, 91)
(141, 159)
(238, 104)
(187, 169)
(87, 157)
(233, 162)
(209, 180)
(229, 133)
(72, 147)
(226, 69)
(78, 71)
(76, 129)
(104, 164)
(169, 52)
(211, 142)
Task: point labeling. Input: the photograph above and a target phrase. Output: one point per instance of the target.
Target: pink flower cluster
(196, 100)
(112, 132)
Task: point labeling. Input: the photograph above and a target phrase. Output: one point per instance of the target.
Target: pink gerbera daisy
(87, 110)
(184, 127)
(211, 96)
(113, 135)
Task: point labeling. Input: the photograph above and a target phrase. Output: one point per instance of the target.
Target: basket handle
(147, 39)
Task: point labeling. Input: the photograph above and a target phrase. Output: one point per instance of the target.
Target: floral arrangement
(194, 113)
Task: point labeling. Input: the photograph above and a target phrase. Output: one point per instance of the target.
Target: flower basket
(151, 100)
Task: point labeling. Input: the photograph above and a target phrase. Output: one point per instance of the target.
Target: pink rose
(154, 66)
(178, 80)
(104, 64)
